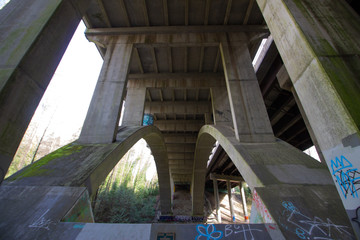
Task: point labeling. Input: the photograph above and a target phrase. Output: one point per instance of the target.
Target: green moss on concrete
(38, 169)
(345, 85)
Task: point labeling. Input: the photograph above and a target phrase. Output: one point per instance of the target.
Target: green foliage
(126, 196)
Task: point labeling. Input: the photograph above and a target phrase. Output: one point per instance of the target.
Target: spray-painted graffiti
(262, 208)
(243, 230)
(310, 228)
(232, 231)
(208, 232)
(346, 175)
(42, 222)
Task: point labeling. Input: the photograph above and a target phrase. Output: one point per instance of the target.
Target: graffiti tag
(311, 228)
(208, 232)
(244, 229)
(346, 175)
(41, 222)
(262, 208)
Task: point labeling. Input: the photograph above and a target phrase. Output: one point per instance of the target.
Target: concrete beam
(177, 30)
(180, 155)
(178, 107)
(184, 147)
(180, 138)
(200, 82)
(174, 126)
(183, 40)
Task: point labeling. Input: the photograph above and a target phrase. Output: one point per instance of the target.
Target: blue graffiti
(208, 232)
(289, 206)
(346, 175)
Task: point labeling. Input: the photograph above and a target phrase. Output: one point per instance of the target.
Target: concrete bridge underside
(188, 63)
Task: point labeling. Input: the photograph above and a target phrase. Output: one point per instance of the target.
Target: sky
(63, 107)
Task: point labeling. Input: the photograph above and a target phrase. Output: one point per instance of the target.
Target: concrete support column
(243, 199)
(285, 83)
(134, 107)
(221, 106)
(251, 122)
(217, 201)
(33, 38)
(102, 119)
(228, 185)
(319, 43)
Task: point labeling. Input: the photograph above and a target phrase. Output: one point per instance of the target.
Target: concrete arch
(208, 135)
(155, 140)
(89, 164)
(279, 176)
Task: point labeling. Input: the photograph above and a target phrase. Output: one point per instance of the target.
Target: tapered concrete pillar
(221, 106)
(319, 44)
(285, 83)
(134, 107)
(217, 201)
(33, 38)
(250, 119)
(102, 119)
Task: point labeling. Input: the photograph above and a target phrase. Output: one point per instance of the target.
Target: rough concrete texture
(103, 116)
(35, 212)
(221, 106)
(278, 174)
(30, 52)
(165, 231)
(88, 165)
(251, 122)
(323, 35)
(32, 212)
(134, 107)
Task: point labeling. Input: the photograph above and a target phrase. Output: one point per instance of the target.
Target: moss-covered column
(33, 38)
(102, 120)
(319, 43)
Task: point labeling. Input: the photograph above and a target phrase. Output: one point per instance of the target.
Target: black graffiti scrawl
(346, 176)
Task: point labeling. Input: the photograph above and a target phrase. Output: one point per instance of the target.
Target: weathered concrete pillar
(134, 107)
(319, 43)
(217, 201)
(221, 106)
(33, 38)
(102, 119)
(250, 119)
(285, 83)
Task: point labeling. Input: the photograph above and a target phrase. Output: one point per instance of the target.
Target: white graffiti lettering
(314, 227)
(244, 229)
